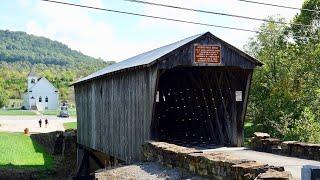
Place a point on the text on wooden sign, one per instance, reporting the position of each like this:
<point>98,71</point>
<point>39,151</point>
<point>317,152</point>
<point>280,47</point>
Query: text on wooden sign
<point>207,54</point>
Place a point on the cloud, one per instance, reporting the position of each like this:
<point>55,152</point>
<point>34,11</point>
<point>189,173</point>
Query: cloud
<point>24,3</point>
<point>93,3</point>
<point>159,11</point>
<point>80,28</point>
<point>238,38</point>
<point>34,28</point>
<point>76,28</point>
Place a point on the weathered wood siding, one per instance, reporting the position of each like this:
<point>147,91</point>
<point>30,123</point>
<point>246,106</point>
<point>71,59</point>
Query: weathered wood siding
<point>184,56</point>
<point>114,112</point>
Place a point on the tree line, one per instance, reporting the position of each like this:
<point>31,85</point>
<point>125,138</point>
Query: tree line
<point>285,94</point>
<point>20,52</point>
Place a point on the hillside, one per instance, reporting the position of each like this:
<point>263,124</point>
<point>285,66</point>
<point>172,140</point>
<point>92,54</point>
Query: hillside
<point>19,52</point>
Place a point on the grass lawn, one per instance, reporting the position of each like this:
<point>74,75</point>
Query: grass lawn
<point>70,125</point>
<point>19,112</point>
<point>19,151</point>
<point>72,112</point>
<point>50,112</point>
<point>16,112</point>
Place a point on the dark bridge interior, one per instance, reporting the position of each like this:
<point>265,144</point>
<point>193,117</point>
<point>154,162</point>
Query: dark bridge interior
<point>197,106</point>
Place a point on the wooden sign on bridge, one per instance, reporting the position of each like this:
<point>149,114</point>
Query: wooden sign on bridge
<point>207,54</point>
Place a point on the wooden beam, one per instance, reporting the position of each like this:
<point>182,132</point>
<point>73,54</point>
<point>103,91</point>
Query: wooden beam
<point>155,121</point>
<point>245,104</point>
<point>82,164</point>
<point>96,160</point>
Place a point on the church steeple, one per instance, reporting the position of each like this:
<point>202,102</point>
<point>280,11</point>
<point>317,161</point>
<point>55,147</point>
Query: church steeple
<point>32,73</point>
<point>32,78</point>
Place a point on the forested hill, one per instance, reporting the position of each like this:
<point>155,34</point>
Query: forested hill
<point>20,46</point>
<point>19,52</point>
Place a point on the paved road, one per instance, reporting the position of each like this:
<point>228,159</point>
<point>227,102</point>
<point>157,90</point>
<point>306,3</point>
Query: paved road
<point>291,164</point>
<point>19,123</point>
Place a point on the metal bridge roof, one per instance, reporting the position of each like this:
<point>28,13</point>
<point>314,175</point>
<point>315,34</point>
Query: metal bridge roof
<point>141,59</point>
<point>149,57</point>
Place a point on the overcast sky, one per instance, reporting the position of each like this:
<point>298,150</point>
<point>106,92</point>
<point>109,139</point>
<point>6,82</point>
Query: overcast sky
<point>116,37</point>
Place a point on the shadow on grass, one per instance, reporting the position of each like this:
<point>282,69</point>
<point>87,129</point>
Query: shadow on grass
<point>42,164</point>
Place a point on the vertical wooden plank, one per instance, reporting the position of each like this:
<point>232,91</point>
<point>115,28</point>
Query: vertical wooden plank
<point>244,109</point>
<point>132,119</point>
<point>107,136</point>
<point>77,99</point>
<point>100,123</point>
<point>117,121</point>
<point>93,118</point>
<point>107,113</point>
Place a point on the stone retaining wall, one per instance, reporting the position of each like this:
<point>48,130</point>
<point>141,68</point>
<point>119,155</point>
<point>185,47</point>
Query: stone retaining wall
<point>69,142</point>
<point>63,145</point>
<point>57,142</point>
<point>212,165</point>
<point>48,140</point>
<point>264,143</point>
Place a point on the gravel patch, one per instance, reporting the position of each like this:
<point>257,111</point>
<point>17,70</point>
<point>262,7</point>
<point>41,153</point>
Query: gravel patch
<point>19,123</point>
<point>145,171</point>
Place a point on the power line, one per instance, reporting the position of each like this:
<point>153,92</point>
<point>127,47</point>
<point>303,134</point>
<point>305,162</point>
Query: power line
<point>163,18</point>
<point>151,16</point>
<point>281,6</point>
<point>215,13</point>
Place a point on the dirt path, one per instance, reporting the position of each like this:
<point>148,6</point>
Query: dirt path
<point>291,164</point>
<point>19,123</point>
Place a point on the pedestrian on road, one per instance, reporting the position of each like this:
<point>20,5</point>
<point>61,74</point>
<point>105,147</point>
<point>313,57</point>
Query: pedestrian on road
<point>46,122</point>
<point>40,122</point>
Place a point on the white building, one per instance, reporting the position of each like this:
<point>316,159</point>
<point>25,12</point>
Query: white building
<point>40,94</point>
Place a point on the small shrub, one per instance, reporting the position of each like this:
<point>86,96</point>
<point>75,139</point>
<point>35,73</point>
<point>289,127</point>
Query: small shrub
<point>26,131</point>
<point>305,129</point>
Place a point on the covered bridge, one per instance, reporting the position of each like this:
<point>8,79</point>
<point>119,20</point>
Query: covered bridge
<point>194,91</point>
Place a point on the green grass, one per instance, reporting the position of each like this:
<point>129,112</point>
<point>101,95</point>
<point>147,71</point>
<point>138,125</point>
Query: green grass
<point>248,132</point>
<point>19,151</point>
<point>50,112</point>
<point>15,112</point>
<point>70,125</point>
<point>248,124</point>
<point>72,112</point>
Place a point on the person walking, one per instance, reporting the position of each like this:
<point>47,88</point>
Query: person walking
<point>46,122</point>
<point>40,123</point>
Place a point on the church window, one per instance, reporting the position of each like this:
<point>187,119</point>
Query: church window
<point>33,81</point>
<point>46,99</point>
<point>32,97</point>
<point>40,99</point>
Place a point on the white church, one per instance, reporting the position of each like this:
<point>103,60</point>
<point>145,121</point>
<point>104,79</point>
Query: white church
<point>40,94</point>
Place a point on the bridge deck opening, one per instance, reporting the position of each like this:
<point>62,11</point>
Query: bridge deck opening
<point>197,107</point>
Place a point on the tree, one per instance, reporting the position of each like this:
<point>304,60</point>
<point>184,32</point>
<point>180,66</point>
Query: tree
<point>271,100</point>
<point>19,52</point>
<point>3,96</point>
<point>308,54</point>
<point>309,18</point>
<point>285,93</point>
